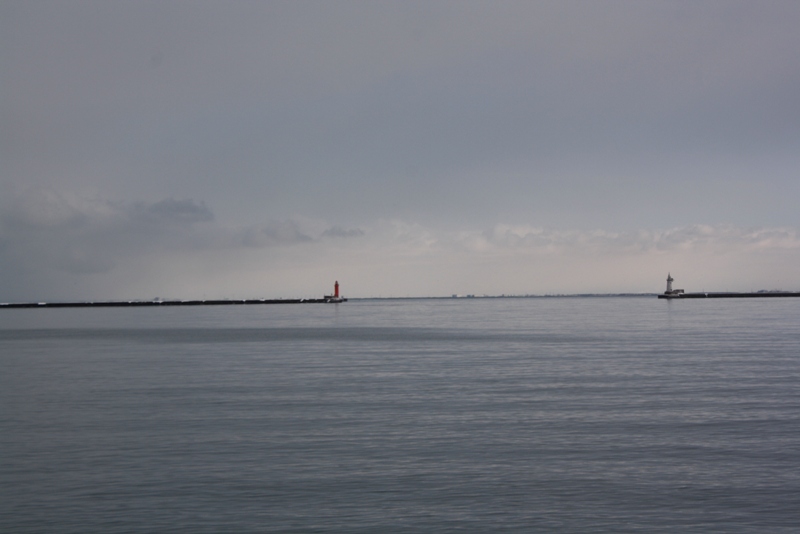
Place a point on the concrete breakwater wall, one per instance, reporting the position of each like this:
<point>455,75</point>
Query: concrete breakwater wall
<point>764,294</point>
<point>158,303</point>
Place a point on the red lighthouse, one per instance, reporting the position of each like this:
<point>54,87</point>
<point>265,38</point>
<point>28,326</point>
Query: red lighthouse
<point>335,297</point>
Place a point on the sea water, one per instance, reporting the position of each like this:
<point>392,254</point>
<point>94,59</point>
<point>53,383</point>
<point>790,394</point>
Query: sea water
<point>579,414</point>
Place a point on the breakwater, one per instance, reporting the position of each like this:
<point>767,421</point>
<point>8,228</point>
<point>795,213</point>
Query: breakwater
<point>158,303</point>
<point>760,294</point>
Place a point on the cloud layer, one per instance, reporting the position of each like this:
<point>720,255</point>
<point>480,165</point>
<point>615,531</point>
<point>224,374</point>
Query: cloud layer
<point>57,246</point>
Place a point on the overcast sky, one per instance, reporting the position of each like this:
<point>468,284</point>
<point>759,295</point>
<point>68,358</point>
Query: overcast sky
<point>188,149</point>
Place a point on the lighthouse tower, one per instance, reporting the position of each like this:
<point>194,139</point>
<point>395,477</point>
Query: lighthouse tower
<point>335,297</point>
<point>669,284</point>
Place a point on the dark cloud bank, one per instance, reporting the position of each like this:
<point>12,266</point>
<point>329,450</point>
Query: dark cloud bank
<point>44,233</point>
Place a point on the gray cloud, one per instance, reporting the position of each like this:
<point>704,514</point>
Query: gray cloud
<point>178,211</point>
<point>275,233</point>
<point>340,232</point>
<point>47,230</point>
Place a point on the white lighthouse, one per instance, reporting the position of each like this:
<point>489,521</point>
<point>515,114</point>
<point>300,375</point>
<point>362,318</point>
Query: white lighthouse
<point>672,293</point>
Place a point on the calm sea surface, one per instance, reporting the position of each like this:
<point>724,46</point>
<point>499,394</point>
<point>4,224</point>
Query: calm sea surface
<point>613,414</point>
